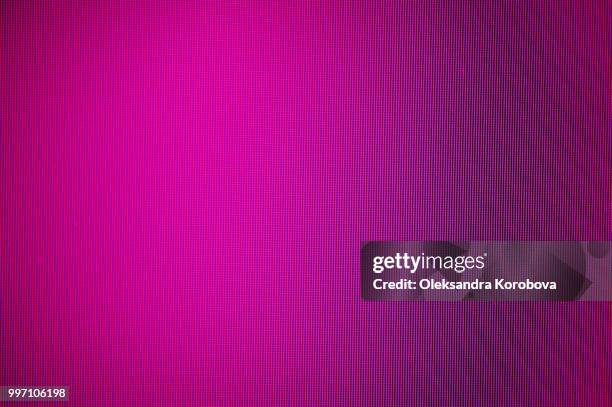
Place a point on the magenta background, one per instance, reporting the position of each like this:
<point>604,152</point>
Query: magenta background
<point>185,188</point>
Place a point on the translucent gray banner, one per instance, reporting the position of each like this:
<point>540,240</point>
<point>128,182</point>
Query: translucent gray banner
<point>487,270</point>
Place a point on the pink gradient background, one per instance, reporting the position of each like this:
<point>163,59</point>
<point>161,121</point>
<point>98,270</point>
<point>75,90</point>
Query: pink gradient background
<point>185,188</point>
